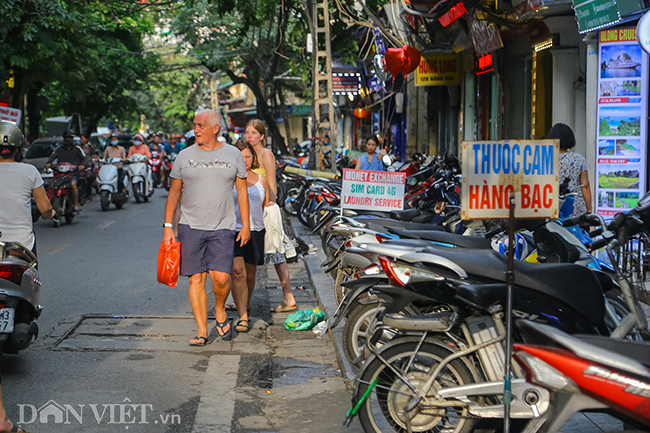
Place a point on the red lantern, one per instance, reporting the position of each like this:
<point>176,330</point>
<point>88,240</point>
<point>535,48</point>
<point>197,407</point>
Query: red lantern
<point>360,113</point>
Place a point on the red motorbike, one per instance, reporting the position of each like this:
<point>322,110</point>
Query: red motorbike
<point>166,169</point>
<point>60,193</point>
<point>588,373</point>
<point>156,164</point>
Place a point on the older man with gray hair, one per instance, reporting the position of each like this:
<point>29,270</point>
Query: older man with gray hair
<point>206,173</point>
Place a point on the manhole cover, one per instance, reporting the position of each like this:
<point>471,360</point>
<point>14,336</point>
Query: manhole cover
<point>118,333</point>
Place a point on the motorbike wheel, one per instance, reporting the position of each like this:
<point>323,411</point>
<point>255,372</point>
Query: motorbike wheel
<point>119,204</point>
<point>57,205</point>
<point>383,408</point>
<point>165,182</point>
<point>342,276</point>
<point>621,309</point>
<point>355,331</point>
<point>304,214</point>
<point>104,200</point>
<point>137,192</point>
<point>68,218</point>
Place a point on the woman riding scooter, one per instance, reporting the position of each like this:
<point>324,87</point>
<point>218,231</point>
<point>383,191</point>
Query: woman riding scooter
<point>114,150</point>
<point>20,183</point>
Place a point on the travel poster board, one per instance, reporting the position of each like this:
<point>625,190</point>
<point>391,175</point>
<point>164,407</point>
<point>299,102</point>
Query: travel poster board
<point>492,170</point>
<point>373,190</point>
<point>620,170</point>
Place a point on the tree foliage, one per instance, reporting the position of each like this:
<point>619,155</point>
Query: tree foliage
<point>252,42</point>
<point>83,55</point>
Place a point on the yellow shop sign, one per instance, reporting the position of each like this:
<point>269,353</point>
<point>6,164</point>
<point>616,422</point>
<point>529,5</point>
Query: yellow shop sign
<point>438,70</point>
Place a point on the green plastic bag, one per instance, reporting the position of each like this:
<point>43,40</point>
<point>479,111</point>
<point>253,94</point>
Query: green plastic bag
<point>304,320</point>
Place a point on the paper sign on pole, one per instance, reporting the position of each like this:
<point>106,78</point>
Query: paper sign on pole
<point>494,169</point>
<point>10,115</point>
<point>373,190</point>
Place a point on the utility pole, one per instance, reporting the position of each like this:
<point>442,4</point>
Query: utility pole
<point>322,78</point>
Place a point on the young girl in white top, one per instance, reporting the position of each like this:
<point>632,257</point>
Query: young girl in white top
<point>251,255</point>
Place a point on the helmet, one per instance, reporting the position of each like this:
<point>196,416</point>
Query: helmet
<point>67,133</point>
<point>10,135</point>
<point>501,244</point>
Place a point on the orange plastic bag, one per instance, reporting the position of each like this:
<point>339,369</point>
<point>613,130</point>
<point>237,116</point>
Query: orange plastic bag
<point>169,260</point>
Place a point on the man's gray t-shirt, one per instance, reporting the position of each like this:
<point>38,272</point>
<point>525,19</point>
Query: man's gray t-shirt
<point>207,201</point>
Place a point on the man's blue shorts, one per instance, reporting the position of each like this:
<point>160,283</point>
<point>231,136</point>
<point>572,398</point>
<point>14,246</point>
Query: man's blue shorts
<point>205,250</point>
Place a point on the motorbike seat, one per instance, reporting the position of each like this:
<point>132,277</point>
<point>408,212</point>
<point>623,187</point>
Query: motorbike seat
<point>444,237</point>
<point>482,296</point>
<point>404,215</point>
<point>639,352</point>
<point>415,243</point>
<point>575,285</point>
<point>383,223</point>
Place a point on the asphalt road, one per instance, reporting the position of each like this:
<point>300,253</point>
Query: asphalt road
<point>112,354</point>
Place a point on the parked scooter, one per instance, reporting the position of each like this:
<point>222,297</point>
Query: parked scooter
<point>20,289</point>
<point>60,193</point>
<point>108,185</point>
<point>585,373</point>
<point>140,178</point>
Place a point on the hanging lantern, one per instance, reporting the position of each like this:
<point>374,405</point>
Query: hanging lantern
<point>360,113</point>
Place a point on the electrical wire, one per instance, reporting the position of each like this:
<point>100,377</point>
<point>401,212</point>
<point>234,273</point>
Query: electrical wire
<point>280,33</point>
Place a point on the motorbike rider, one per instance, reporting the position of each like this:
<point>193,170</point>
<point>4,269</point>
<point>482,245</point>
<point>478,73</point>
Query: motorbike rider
<point>172,147</point>
<point>20,183</point>
<point>139,147</point>
<point>74,155</point>
<point>114,150</point>
<point>91,153</point>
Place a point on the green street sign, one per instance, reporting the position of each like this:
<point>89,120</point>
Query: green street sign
<point>597,14</point>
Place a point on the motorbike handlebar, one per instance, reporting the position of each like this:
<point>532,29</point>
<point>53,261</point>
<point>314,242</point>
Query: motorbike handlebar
<point>572,221</point>
<point>596,245</point>
<point>596,232</point>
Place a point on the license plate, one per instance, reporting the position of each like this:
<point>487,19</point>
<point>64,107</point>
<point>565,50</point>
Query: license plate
<point>6,320</point>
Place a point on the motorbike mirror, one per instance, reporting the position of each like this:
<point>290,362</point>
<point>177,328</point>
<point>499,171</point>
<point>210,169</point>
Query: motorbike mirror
<point>387,160</point>
<point>412,180</point>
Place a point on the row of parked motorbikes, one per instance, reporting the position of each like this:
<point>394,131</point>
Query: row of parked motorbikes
<point>424,294</point>
<point>140,179</point>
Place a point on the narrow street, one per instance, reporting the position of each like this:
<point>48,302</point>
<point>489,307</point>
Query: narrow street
<point>112,354</point>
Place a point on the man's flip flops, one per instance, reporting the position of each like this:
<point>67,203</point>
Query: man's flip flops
<point>203,341</point>
<point>283,308</point>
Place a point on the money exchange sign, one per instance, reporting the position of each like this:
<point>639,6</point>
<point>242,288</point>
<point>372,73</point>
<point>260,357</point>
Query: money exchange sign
<point>373,190</point>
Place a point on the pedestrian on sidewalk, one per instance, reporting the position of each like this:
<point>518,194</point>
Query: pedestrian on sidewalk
<point>206,174</point>
<point>255,132</point>
<point>251,255</point>
<point>371,160</point>
<point>574,167</point>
